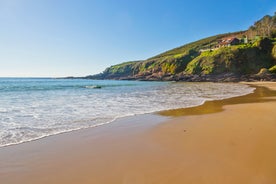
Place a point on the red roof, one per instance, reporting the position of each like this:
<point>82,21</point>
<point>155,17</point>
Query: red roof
<point>226,41</point>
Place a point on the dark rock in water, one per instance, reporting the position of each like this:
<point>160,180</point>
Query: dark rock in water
<point>97,87</point>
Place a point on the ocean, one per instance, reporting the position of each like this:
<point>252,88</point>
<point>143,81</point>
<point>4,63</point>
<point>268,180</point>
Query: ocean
<point>32,108</point>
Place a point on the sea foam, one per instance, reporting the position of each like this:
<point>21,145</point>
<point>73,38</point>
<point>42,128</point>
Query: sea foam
<point>34,108</point>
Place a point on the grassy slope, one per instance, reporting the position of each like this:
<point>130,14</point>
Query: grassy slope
<point>242,59</point>
<point>187,59</point>
<point>172,61</point>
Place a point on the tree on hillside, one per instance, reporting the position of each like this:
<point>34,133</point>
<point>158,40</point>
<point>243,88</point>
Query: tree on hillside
<point>251,32</point>
<point>267,24</point>
<point>273,31</point>
<point>264,27</point>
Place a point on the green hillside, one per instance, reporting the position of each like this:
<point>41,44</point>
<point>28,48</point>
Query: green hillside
<point>239,53</point>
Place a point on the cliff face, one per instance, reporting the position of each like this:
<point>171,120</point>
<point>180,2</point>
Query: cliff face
<point>206,59</point>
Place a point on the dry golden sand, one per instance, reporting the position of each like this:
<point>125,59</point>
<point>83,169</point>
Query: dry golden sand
<point>222,142</point>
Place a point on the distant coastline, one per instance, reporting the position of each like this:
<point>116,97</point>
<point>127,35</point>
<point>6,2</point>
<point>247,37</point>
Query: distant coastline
<point>232,57</point>
<point>227,77</point>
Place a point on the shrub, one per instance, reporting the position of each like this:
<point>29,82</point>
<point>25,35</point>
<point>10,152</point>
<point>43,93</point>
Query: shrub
<point>272,69</point>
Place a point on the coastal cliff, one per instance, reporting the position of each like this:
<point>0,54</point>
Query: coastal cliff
<point>246,55</point>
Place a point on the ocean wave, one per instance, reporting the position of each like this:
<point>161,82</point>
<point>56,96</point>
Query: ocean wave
<point>94,87</point>
<point>32,115</point>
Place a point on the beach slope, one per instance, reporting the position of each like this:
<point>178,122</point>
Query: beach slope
<point>227,141</point>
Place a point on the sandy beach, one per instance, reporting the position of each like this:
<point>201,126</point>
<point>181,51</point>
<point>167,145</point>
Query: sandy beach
<point>225,141</point>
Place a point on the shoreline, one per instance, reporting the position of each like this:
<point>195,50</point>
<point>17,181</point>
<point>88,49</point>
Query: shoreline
<point>121,152</point>
<point>163,113</point>
<point>155,118</point>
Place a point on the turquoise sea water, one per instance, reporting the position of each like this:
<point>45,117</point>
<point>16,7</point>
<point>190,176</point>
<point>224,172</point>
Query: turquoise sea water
<point>33,108</point>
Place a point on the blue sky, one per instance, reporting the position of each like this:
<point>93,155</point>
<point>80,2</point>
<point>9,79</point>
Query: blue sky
<point>55,38</point>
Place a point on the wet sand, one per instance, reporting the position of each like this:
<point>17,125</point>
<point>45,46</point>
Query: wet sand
<point>227,141</point>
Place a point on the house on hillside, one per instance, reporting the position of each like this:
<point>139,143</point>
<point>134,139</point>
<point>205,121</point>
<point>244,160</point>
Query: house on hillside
<point>226,42</point>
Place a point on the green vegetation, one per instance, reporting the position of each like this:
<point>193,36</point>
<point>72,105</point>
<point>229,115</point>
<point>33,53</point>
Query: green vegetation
<point>274,51</point>
<point>265,27</point>
<point>195,46</point>
<point>123,69</point>
<point>272,69</point>
<point>256,50</point>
